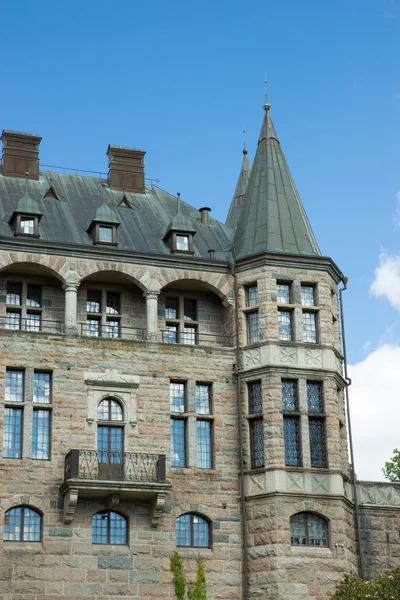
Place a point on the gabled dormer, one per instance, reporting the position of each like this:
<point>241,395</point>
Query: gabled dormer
<point>103,228</point>
<point>180,232</point>
<point>26,216</point>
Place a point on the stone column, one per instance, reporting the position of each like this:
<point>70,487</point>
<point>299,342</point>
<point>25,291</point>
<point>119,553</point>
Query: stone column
<point>152,315</point>
<point>71,291</point>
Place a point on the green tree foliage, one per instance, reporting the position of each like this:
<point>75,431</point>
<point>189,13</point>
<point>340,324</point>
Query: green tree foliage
<point>179,577</point>
<point>198,591</point>
<point>391,469</point>
<point>384,587</point>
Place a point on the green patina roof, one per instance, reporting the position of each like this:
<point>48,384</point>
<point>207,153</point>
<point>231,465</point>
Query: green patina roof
<point>28,206</point>
<point>273,218</point>
<point>106,214</point>
<point>181,223</point>
<point>240,191</point>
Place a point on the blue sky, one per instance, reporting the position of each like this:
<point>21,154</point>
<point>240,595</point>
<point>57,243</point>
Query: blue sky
<point>182,79</point>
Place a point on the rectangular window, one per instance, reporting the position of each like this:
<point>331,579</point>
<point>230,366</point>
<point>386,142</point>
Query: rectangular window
<point>252,295</point>
<point>41,434</point>
<point>189,310</point>
<point>283,293</point>
<point>203,437</point>
<point>112,329</point>
<point>256,443</point>
<point>291,434</point>
<point>315,399</point>
<point>177,397</point>
<point>113,303</point>
<point>316,428</point>
<point>34,296</point>
<point>308,295</point>
<point>190,335</point>
<point>105,234</point>
<point>255,397</point>
<point>12,433</point>
<point>93,304</point>
<point>27,225</point>
<point>289,395</point>
<point>285,325</point>
<point>182,242</point>
<point>13,319</point>
<point>253,330</point>
<point>203,398</point>
<point>14,389</point>
<point>171,334</point>
<point>14,293</point>
<point>178,443</point>
<point>309,327</point>
<point>42,387</point>
<point>171,308</point>
<point>93,327</point>
<point>33,322</point>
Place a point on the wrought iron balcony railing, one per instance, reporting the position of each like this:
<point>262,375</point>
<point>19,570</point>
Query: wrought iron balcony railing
<point>115,466</point>
<point>112,330</point>
<point>195,338</point>
<point>30,325</point>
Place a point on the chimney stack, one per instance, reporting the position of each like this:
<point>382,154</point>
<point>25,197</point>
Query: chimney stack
<point>126,169</point>
<point>205,215</point>
<point>20,154</point>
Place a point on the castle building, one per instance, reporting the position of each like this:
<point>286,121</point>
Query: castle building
<point>170,382</point>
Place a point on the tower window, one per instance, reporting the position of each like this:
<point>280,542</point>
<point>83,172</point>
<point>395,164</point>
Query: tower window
<point>307,529</point>
<point>283,293</point>
<point>291,423</point>
<point>317,424</point>
<point>285,332</point>
<point>256,424</point>
<point>308,295</point>
<point>309,327</point>
<point>252,295</point>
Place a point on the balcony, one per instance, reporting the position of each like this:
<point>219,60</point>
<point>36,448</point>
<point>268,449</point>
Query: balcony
<point>116,476</point>
<point>30,324</point>
<point>112,330</point>
<point>195,338</point>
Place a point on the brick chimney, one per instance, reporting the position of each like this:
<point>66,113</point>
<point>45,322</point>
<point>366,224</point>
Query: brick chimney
<point>126,168</point>
<point>20,154</point>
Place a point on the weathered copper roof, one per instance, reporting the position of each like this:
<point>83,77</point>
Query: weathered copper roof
<point>273,218</point>
<point>240,191</point>
<point>106,214</point>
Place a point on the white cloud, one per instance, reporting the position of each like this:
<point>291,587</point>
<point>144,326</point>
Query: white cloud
<point>375,410</point>
<point>387,280</point>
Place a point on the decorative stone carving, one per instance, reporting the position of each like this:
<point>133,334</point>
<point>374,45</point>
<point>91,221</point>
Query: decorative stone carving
<point>252,358</point>
<point>294,481</point>
<point>320,483</point>
<point>380,495</point>
<point>112,383</point>
<point>288,355</point>
<point>157,509</point>
<point>70,500</point>
<point>256,484</point>
<point>313,357</point>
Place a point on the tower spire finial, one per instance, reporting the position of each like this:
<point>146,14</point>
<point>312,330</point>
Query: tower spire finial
<point>178,206</point>
<point>244,142</point>
<point>267,105</point>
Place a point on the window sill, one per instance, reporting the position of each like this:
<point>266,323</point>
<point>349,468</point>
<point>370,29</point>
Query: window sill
<point>30,547</point>
<point>311,550</point>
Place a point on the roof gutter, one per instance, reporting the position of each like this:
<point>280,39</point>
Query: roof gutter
<point>353,469</point>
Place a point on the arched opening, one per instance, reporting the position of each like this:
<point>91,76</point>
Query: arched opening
<point>110,439</point>
<point>109,527</point>
<point>193,530</point>
<point>193,314</point>
<point>308,529</point>
<point>22,524</point>
<point>111,305</point>
<point>34,299</point>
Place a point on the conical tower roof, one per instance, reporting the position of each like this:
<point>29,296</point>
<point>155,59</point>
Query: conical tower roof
<point>240,191</point>
<point>273,218</point>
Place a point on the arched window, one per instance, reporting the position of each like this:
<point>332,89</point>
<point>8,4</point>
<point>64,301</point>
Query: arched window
<point>110,439</point>
<point>192,530</point>
<point>109,527</point>
<point>22,524</point>
<point>307,529</point>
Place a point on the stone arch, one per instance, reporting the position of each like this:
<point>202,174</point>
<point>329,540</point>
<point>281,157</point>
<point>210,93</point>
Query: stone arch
<point>184,508</point>
<point>85,269</point>
<point>219,284</point>
<point>33,502</point>
<point>51,265</point>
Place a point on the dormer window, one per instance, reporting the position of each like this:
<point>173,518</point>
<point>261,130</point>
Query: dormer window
<point>105,234</point>
<point>27,225</point>
<point>103,228</point>
<point>25,218</point>
<point>182,242</point>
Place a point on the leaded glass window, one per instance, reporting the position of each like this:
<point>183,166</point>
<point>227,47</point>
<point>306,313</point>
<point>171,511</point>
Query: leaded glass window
<point>315,399</point>
<point>93,327</point>
<point>285,325</point>
<point>171,334</point>
<point>291,433</point>
<point>309,327</point>
<point>41,434</point>
<point>253,331</point>
<point>34,296</point>
<point>203,438</point>
<point>14,391</point>
<point>13,320</point>
<point>12,433</point>
<point>308,295</point>
<point>22,524</point>
<point>252,295</point>
<point>255,397</point>
<point>190,335</point>
<point>203,398</point>
<point>177,397</point>
<point>105,234</point>
<point>193,531</point>
<point>289,395</point>
<point>178,443</point>
<point>256,443</point>
<point>112,329</point>
<point>283,293</point>
<point>317,432</point>
<point>93,303</point>
<point>307,529</point>
<point>41,387</point>
<point>109,410</point>
<point>109,527</point>
<point>33,321</point>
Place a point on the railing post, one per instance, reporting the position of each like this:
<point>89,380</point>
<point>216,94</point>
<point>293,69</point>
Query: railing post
<point>161,467</point>
<point>74,470</point>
